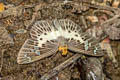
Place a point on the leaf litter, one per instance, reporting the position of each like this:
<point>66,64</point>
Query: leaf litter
<point>51,10</point>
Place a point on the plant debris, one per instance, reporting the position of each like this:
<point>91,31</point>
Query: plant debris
<point>2,7</point>
<point>5,38</point>
<point>99,18</point>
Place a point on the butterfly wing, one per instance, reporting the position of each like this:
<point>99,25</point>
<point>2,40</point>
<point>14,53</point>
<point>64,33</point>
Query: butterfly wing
<point>68,29</point>
<point>78,41</point>
<point>43,43</point>
<point>90,46</point>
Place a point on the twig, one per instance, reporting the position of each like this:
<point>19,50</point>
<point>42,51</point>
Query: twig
<point>84,22</point>
<point>115,10</point>
<point>33,20</point>
<point>2,53</point>
<point>110,20</point>
<point>59,68</point>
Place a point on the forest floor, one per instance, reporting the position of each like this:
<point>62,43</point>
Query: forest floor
<point>16,20</point>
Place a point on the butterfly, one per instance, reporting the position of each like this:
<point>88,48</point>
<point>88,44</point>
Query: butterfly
<point>49,37</point>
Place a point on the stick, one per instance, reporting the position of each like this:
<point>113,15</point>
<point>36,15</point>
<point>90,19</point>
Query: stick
<point>115,10</point>
<point>84,22</point>
<point>110,20</point>
<point>60,67</point>
<point>2,53</point>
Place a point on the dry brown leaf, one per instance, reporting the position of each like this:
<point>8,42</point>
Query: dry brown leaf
<point>92,69</point>
<point>2,7</point>
<point>92,18</point>
<point>105,45</point>
<point>106,40</point>
<point>116,3</point>
<point>113,32</point>
<point>5,37</point>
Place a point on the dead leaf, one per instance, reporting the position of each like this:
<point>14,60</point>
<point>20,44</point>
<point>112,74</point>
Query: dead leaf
<point>113,32</point>
<point>2,7</point>
<point>4,36</point>
<point>92,69</point>
<point>116,3</point>
<point>92,18</point>
<point>106,40</point>
<point>105,45</point>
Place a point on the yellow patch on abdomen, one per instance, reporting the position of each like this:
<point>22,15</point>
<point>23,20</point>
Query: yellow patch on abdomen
<point>64,50</point>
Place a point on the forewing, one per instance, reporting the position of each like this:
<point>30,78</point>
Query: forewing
<point>43,43</point>
<point>43,31</point>
<point>78,41</point>
<point>69,29</point>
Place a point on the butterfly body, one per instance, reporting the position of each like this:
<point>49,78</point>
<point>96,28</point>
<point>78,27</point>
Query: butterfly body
<point>63,47</point>
<point>58,35</point>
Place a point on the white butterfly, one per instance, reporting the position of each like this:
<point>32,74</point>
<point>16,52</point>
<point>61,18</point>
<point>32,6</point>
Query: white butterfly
<point>58,35</point>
